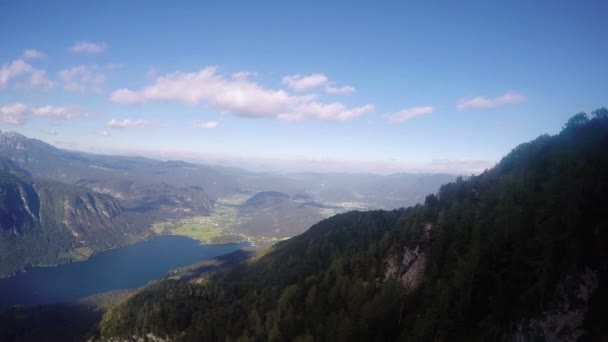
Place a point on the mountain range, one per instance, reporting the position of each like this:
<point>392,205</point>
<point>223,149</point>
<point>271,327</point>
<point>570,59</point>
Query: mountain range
<point>59,206</point>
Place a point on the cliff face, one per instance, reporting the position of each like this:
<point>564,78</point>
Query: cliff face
<point>45,222</point>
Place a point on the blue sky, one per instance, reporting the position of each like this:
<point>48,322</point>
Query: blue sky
<point>341,86</point>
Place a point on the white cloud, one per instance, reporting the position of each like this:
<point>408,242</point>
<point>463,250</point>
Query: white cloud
<point>410,113</point>
<point>16,113</point>
<point>13,114</point>
<point>209,124</point>
<point>243,75</point>
<point>15,68</point>
<point>105,133</point>
<point>38,79</point>
<point>341,90</point>
<point>300,83</point>
<point>19,68</point>
<point>88,47</point>
<point>237,95</point>
<point>482,102</point>
<point>127,97</point>
<point>61,112</point>
<point>319,111</point>
<point>82,78</point>
<point>33,54</point>
<point>128,123</point>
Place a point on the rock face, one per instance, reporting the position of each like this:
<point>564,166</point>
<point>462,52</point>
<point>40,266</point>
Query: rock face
<point>408,267</point>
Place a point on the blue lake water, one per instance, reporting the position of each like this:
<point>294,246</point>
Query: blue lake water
<point>121,268</point>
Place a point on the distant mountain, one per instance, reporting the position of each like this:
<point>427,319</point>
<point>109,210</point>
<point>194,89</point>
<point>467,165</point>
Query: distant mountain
<point>517,253</point>
<point>137,182</point>
<point>153,185</point>
<point>275,214</point>
<point>45,222</point>
<point>265,200</point>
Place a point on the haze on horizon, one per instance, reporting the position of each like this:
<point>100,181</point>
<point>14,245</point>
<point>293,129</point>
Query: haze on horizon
<point>301,87</point>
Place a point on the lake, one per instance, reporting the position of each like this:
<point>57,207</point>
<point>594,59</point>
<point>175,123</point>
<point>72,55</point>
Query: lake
<point>120,268</point>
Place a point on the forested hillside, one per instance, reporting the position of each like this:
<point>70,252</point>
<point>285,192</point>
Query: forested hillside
<point>46,223</point>
<point>516,253</point>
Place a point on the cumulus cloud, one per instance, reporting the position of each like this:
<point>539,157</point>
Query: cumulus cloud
<point>410,113</point>
<point>208,125</point>
<point>82,78</point>
<point>88,47</point>
<point>481,102</point>
<point>300,83</point>
<point>105,133</point>
<point>236,94</point>
<point>339,90</point>
<point>17,113</point>
<point>127,97</point>
<point>243,75</point>
<point>128,123</point>
<point>38,79</point>
<point>61,112</point>
<point>13,114</point>
<point>20,68</point>
<point>33,54</point>
<point>320,111</point>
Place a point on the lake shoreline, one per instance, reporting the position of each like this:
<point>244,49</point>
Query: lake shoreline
<point>96,252</point>
<point>127,267</point>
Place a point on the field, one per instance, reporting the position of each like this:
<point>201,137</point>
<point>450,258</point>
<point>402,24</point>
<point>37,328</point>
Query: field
<point>224,224</point>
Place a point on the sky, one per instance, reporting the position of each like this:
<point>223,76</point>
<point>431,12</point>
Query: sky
<point>382,87</point>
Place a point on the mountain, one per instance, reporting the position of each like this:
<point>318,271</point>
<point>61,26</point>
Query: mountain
<point>152,185</point>
<point>517,253</point>
<point>139,183</point>
<point>275,214</point>
<point>45,222</point>
<point>370,191</point>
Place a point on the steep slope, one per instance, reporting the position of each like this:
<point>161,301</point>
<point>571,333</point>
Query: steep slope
<point>517,253</point>
<point>45,222</point>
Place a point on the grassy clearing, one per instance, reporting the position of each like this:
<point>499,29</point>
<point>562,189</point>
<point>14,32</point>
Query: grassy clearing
<point>201,228</point>
<point>208,229</point>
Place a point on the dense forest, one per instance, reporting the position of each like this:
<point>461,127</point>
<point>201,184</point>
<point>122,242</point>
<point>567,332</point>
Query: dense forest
<point>516,253</point>
<point>47,223</point>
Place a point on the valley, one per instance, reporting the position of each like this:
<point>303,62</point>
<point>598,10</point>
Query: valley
<point>117,200</point>
<point>303,171</point>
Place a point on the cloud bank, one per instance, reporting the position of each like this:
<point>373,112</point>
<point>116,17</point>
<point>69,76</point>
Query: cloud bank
<point>238,95</point>
<point>301,83</point>
<point>17,113</point>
